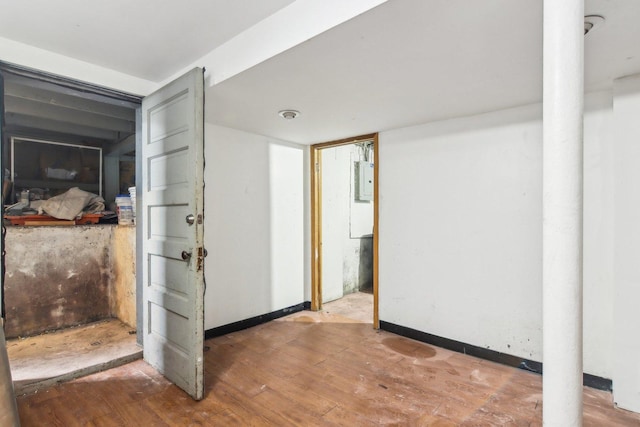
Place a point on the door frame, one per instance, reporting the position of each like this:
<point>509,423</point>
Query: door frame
<point>316,219</point>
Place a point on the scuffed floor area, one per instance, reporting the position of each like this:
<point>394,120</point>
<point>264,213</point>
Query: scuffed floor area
<point>314,369</point>
<point>44,360</point>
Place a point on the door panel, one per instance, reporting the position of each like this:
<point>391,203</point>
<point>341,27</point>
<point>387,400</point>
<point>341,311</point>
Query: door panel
<point>172,189</point>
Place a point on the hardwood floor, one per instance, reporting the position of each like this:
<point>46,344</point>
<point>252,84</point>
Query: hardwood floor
<point>313,369</point>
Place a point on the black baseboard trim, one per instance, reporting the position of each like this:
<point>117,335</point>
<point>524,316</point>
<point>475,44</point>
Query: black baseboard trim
<point>597,382</point>
<point>589,380</point>
<point>254,321</point>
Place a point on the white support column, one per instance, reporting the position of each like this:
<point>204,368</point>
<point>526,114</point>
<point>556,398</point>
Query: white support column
<point>563,99</point>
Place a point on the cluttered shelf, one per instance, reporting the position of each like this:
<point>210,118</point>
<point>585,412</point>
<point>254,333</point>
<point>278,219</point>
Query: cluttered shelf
<point>73,207</point>
<point>58,183</point>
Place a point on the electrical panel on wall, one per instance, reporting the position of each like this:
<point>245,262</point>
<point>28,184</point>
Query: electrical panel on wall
<point>365,181</point>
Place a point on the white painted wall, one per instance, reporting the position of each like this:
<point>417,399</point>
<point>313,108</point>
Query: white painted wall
<point>344,222</point>
<point>598,229</point>
<point>254,230</point>
<point>626,345</point>
<point>461,228</point>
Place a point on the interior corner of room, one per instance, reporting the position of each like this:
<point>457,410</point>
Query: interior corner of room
<point>444,226</point>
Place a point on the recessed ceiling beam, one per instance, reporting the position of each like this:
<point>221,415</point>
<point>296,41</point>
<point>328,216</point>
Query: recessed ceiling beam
<point>68,101</point>
<point>66,115</point>
<point>14,120</point>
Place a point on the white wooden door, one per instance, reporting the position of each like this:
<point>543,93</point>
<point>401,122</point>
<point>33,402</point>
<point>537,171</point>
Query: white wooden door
<point>172,221</point>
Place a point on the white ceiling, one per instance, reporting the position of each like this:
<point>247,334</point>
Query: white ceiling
<point>150,39</point>
<point>413,61</point>
<point>404,62</point>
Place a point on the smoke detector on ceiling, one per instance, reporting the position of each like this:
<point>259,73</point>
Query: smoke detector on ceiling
<point>591,22</point>
<point>289,114</point>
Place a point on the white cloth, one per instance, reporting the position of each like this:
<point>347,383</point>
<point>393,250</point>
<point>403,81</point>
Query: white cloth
<point>72,204</point>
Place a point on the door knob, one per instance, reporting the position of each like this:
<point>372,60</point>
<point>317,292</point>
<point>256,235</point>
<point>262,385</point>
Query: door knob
<point>186,255</point>
<point>190,219</point>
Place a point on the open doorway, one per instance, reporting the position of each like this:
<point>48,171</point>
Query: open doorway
<point>68,292</point>
<point>344,227</point>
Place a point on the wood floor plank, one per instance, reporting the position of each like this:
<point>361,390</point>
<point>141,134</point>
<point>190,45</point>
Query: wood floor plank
<point>176,408</point>
<point>133,412</point>
<point>55,412</point>
<point>229,418</point>
<point>250,366</point>
<point>355,395</point>
<point>238,409</point>
<point>340,416</point>
<point>243,377</point>
<point>255,411</point>
<point>298,413</point>
<point>302,352</point>
<point>276,362</point>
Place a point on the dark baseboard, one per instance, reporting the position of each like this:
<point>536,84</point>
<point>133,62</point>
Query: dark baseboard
<point>254,321</point>
<point>597,382</point>
<point>589,380</point>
